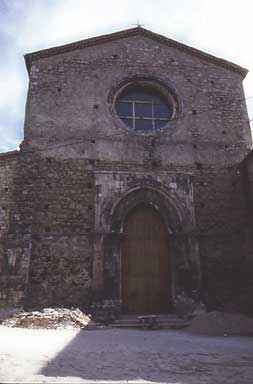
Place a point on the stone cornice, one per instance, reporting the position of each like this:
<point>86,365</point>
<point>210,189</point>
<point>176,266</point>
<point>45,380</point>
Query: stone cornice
<point>6,155</point>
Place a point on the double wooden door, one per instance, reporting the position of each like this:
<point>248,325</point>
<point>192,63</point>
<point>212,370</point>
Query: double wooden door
<point>145,263</point>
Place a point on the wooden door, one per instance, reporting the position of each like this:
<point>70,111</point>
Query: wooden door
<point>145,263</point>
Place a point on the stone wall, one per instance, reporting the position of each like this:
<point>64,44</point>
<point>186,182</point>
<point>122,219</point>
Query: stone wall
<point>73,139</point>
<point>11,293</point>
<point>63,221</point>
<point>246,171</point>
<point>222,222</point>
<point>70,97</point>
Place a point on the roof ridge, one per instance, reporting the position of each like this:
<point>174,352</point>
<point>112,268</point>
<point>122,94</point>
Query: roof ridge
<point>30,57</point>
<point>9,153</point>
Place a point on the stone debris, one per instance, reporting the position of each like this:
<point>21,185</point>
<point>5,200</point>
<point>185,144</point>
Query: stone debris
<point>221,324</point>
<point>52,318</point>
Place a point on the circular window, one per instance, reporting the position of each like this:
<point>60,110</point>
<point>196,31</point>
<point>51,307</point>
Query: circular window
<point>144,108</point>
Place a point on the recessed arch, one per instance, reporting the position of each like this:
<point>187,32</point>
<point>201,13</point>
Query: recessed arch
<point>177,216</point>
<point>168,207</point>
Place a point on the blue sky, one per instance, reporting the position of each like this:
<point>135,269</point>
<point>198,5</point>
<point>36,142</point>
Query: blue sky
<point>219,27</point>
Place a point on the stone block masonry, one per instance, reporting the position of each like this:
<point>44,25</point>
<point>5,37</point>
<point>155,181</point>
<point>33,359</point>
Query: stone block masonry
<point>63,222</point>
<point>66,194</point>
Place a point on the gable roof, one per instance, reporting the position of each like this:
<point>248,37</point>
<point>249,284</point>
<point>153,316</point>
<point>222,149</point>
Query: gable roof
<point>30,57</point>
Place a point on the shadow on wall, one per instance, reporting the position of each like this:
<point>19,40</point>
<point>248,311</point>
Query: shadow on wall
<point>117,355</point>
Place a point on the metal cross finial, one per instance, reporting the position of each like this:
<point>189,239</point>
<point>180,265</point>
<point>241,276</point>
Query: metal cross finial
<point>138,24</point>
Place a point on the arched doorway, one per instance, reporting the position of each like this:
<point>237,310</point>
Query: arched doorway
<point>145,262</point>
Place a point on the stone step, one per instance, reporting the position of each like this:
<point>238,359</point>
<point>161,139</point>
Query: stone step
<point>150,322</point>
<point>126,321</point>
<point>156,326</point>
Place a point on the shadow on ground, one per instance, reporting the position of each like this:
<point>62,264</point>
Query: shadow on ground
<point>114,355</point>
<point>118,355</point>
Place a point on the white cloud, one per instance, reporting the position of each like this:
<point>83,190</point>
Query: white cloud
<point>220,27</point>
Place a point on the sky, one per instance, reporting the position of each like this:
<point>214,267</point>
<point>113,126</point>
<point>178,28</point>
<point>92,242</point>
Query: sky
<point>220,27</point>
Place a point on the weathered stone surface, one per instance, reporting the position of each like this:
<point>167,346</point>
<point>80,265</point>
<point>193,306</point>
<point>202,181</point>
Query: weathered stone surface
<point>80,170</point>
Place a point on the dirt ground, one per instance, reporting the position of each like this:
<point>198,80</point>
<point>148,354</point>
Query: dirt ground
<point>123,356</point>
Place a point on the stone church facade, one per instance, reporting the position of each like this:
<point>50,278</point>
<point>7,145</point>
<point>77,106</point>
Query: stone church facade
<point>128,194</point>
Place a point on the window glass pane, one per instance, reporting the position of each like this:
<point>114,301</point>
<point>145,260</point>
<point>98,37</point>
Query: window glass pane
<point>141,95</point>
<point>128,122</point>
<point>143,110</point>
<point>151,109</point>
<point>160,123</point>
<point>162,111</point>
<point>158,99</point>
<point>126,96</point>
<point>143,125</point>
<point>124,109</point>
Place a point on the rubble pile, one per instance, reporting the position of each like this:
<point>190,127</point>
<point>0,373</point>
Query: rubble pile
<point>221,324</point>
<point>52,318</point>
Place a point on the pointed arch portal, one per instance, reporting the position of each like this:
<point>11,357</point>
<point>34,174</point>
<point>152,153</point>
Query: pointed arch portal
<point>146,255</point>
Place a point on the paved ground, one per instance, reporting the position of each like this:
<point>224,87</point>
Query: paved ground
<point>108,356</point>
